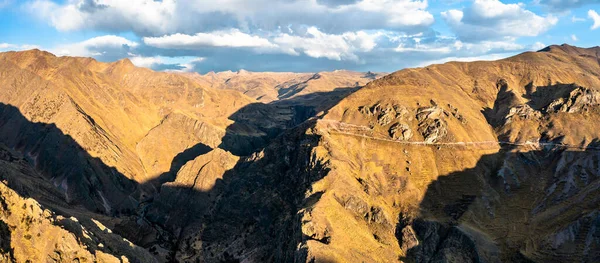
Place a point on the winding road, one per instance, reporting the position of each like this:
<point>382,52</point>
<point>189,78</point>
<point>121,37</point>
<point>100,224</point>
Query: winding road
<point>334,126</point>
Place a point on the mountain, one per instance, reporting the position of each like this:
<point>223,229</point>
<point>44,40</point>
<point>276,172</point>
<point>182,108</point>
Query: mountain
<point>493,161</point>
<point>270,86</point>
<point>102,139</point>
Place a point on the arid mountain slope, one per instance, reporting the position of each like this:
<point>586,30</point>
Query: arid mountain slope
<point>511,145</point>
<point>461,162</point>
<point>102,139</point>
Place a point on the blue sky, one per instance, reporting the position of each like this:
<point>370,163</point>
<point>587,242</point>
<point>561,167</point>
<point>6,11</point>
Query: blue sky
<point>295,35</point>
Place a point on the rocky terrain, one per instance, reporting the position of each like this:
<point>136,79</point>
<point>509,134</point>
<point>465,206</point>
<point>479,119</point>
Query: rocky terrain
<point>462,162</point>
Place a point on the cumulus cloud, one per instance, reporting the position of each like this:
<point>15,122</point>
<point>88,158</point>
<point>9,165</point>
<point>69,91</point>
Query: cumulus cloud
<point>310,41</point>
<point>594,16</point>
<point>444,46</point>
<point>492,19</point>
<point>312,50</point>
<point>290,35</point>
<point>145,62</point>
<point>317,44</point>
<point>155,18</point>
<point>224,38</point>
<point>110,47</point>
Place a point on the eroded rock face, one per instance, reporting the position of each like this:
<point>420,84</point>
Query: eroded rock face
<point>580,99</point>
<point>524,112</point>
<point>431,123</point>
<point>401,131</point>
<point>385,113</point>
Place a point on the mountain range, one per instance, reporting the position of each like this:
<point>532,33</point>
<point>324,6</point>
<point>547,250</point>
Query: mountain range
<point>488,161</point>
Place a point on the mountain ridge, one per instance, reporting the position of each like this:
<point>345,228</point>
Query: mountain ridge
<point>462,161</point>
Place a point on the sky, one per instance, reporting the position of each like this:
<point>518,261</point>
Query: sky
<point>295,35</point>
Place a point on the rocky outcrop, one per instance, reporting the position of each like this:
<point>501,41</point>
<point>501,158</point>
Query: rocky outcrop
<point>456,114</point>
<point>384,113</point>
<point>401,131</point>
<point>31,233</point>
<point>432,125</point>
<point>580,99</point>
<point>522,112</point>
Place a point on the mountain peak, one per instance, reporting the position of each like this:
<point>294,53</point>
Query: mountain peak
<point>36,53</point>
<point>571,50</point>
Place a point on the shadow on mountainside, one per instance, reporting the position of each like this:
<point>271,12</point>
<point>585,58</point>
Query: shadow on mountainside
<point>544,95</point>
<point>508,105</point>
<point>517,202</point>
<point>255,204</point>
<point>513,206</point>
<point>81,178</point>
<point>56,171</point>
<point>250,213</point>
<point>6,251</point>
<point>179,160</point>
<point>257,123</point>
<point>505,99</point>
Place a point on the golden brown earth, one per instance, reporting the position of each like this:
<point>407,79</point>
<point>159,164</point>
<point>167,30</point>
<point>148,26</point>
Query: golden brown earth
<point>462,162</point>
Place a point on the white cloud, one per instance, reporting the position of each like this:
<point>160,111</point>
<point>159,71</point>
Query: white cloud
<point>493,46</point>
<point>594,16</point>
<point>458,47</point>
<point>492,19</point>
<point>105,14</point>
<point>191,65</point>
<point>155,18</point>
<point>484,51</point>
<point>96,46</point>
<point>462,59</point>
<point>426,48</point>
<point>538,46</point>
<point>317,44</point>
<point>183,64</point>
<point>574,38</point>
<point>224,38</point>
<point>289,34</point>
<point>313,43</point>
<point>8,46</point>
<point>145,62</point>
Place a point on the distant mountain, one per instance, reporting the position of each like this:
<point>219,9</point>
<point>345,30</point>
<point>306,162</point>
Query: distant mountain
<point>493,161</point>
<point>270,86</point>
